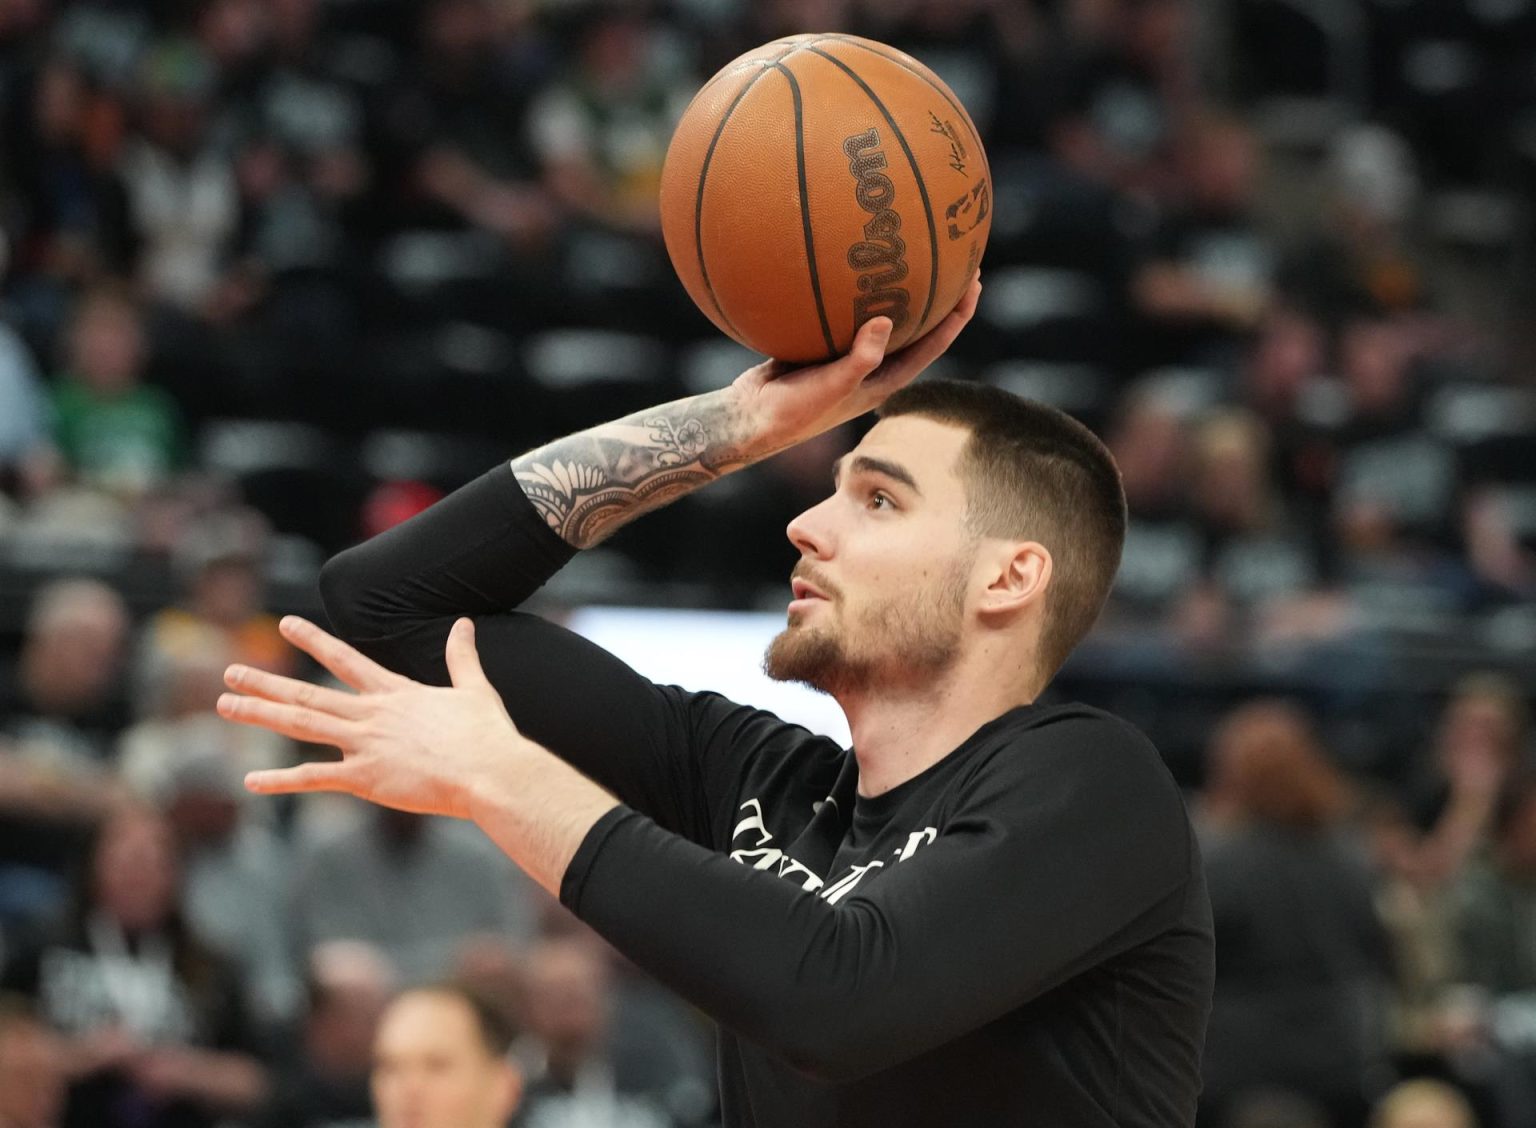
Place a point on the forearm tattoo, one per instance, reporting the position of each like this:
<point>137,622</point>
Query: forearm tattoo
<point>588,484</point>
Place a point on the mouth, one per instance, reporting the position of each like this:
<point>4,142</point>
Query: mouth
<point>804,591</point>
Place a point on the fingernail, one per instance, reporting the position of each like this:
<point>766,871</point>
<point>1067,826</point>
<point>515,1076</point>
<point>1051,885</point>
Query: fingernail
<point>226,702</point>
<point>234,675</point>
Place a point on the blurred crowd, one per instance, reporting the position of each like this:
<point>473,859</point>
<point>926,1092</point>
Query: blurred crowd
<point>276,274</point>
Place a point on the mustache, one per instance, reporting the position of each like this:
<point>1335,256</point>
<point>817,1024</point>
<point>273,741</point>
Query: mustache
<point>804,571</point>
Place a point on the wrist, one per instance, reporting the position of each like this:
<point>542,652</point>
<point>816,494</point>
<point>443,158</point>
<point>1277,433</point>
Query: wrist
<point>487,792</point>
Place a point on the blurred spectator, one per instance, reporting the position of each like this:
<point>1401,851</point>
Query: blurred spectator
<point>178,687</point>
<point>222,614</point>
<point>1500,547</point>
<point>573,1082</point>
<point>1210,270</point>
<point>1478,745</point>
<point>323,1081</point>
<point>236,871</point>
<point>458,123</point>
<point>442,1060</point>
<point>180,196</point>
<point>113,431</point>
<point>1255,551</point>
<point>1419,915</point>
<point>1361,256</point>
<point>58,709</point>
<point>24,443</point>
<point>1423,1104</point>
<point>1497,899</point>
<point>602,131</point>
<point>32,1069</point>
<point>59,149</point>
<point>414,887</point>
<point>157,1027</point>
<point>67,685</point>
<point>1300,953</point>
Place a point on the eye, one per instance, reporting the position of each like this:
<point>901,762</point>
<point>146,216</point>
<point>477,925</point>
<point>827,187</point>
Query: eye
<point>879,499</point>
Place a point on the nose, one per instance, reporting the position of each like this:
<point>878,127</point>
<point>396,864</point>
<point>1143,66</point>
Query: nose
<point>808,532</point>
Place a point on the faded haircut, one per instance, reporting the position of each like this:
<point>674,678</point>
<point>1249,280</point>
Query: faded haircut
<point>1032,472</point>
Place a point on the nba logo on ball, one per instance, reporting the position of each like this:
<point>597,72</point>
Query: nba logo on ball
<point>817,182</point>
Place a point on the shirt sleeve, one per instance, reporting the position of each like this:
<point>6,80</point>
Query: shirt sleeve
<point>1069,848</point>
<point>480,552</point>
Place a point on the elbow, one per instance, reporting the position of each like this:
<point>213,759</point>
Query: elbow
<point>342,594</point>
<point>834,1047</point>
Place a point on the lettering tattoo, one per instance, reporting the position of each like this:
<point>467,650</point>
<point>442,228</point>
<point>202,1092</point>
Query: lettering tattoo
<point>587,485</point>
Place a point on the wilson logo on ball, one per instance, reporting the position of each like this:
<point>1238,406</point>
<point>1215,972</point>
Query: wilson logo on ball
<point>880,256</point>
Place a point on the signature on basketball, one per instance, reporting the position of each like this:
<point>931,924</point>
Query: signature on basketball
<point>957,151</point>
<point>880,255</point>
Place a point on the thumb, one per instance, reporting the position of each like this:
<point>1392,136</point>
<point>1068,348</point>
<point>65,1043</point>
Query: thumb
<point>868,347</point>
<point>462,657</point>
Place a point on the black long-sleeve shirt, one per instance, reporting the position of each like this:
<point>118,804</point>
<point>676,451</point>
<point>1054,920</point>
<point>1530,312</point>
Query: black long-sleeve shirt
<point>1018,935</point>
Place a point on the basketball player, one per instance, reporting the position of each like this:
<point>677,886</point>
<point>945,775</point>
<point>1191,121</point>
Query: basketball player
<point>442,1059</point>
<point>989,912</point>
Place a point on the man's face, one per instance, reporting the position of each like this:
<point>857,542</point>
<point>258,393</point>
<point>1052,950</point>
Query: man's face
<point>885,562</point>
<point>432,1069</point>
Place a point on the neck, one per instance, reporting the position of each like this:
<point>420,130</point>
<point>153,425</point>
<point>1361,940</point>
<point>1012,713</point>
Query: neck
<point>900,732</point>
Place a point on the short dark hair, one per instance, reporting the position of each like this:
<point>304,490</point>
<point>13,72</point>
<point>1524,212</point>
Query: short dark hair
<point>496,1029</point>
<point>1034,472</point>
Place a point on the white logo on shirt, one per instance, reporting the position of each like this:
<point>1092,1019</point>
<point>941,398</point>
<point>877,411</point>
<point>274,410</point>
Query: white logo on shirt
<point>757,850</point>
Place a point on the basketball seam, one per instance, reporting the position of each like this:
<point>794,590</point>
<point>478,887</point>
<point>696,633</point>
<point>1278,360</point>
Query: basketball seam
<point>917,175</point>
<point>764,65</point>
<point>805,207</point>
<point>935,87</point>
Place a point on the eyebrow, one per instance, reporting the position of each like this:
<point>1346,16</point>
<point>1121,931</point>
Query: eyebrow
<point>863,464</point>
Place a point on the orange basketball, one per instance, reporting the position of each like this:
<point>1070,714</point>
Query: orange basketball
<point>817,182</point>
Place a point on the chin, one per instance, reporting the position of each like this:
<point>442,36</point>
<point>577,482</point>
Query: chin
<point>814,658</point>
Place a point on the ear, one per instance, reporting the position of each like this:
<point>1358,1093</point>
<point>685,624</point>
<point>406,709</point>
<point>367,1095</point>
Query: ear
<point>1020,575</point>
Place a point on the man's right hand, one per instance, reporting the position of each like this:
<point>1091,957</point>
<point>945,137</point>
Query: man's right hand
<point>589,484</point>
<point>785,404</point>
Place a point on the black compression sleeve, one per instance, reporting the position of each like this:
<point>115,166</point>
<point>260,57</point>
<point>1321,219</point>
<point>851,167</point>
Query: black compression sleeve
<point>481,550</point>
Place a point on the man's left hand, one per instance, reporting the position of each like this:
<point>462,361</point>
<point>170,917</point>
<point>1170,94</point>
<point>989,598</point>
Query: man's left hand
<point>405,745</point>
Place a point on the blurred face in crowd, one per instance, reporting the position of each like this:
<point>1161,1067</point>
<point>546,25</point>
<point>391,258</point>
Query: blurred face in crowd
<point>136,871</point>
<point>880,589</point>
<point>433,1068</point>
<point>31,1072</point>
<point>1423,1104</point>
<point>1374,361</point>
<point>59,111</point>
<point>74,649</point>
<point>568,989</point>
<point>228,592</point>
<point>459,29</point>
<point>1288,353</point>
<point>1223,167</point>
<point>107,345</point>
<point>1232,488</point>
<point>1149,445</point>
<point>1481,721</point>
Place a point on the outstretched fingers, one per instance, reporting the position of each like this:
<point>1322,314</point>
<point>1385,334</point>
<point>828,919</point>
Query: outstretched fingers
<point>291,691</point>
<point>314,776</point>
<point>292,721</point>
<point>352,667</point>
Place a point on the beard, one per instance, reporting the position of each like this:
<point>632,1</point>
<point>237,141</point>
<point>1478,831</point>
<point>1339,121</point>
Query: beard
<point>902,640</point>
